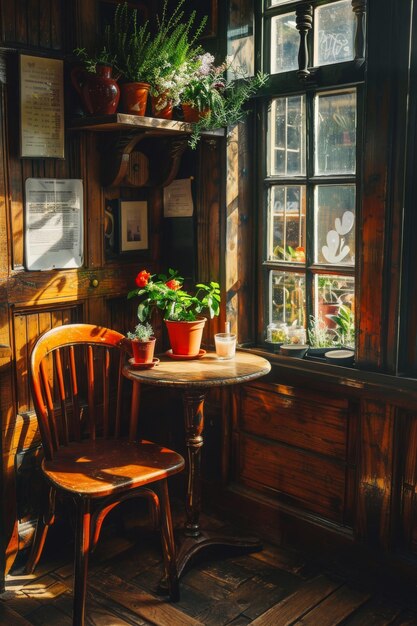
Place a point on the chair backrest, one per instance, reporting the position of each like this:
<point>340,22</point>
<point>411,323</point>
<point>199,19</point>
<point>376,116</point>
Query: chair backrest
<point>76,381</point>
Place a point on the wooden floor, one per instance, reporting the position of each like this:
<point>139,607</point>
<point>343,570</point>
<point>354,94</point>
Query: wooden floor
<point>271,588</point>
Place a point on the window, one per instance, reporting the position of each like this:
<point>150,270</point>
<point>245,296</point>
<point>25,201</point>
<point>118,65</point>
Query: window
<point>309,180</point>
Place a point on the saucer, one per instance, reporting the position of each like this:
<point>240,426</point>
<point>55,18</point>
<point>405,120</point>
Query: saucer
<point>143,366</point>
<point>186,357</point>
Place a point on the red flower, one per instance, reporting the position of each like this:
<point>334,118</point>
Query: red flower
<point>142,278</point>
<point>173,284</point>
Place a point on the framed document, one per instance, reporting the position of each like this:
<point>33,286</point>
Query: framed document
<point>133,226</point>
<point>41,107</point>
<point>54,232</point>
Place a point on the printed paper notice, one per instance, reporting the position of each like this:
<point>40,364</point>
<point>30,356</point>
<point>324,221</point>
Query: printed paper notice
<point>41,107</point>
<point>178,201</point>
<point>53,224</point>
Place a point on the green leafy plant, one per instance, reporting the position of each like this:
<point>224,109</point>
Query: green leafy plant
<point>228,109</point>
<point>142,332</point>
<point>327,290</point>
<point>130,44</point>
<point>319,335</point>
<point>164,61</point>
<point>166,293</point>
<point>345,325</point>
<point>103,57</point>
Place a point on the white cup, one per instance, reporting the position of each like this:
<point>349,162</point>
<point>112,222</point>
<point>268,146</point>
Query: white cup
<point>225,345</point>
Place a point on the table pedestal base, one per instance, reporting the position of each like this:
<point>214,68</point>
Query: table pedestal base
<point>189,547</point>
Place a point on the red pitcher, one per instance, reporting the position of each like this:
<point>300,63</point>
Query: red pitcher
<point>99,92</point>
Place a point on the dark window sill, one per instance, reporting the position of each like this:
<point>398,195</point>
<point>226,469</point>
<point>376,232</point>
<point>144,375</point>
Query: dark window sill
<point>351,380</point>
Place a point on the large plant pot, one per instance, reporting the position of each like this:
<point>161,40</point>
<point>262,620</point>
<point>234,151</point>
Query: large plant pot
<point>99,92</point>
<point>134,97</point>
<point>143,351</point>
<point>185,337</point>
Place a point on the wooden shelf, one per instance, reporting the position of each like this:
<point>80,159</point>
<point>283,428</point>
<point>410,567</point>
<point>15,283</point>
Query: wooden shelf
<point>123,121</point>
<point>140,150</point>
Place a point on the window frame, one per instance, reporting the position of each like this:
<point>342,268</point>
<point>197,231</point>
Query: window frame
<point>349,74</point>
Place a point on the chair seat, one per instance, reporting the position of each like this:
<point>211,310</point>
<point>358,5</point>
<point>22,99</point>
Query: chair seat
<point>106,466</point>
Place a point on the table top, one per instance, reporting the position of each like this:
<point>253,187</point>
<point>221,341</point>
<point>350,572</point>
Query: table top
<point>207,371</point>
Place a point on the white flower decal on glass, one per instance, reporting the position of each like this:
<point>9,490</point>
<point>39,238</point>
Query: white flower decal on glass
<point>336,250</point>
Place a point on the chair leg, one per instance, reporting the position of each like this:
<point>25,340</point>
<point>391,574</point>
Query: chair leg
<point>45,520</point>
<point>82,549</point>
<point>168,543</point>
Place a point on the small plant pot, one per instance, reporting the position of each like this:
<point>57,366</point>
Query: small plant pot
<point>134,97</point>
<point>143,351</point>
<point>193,114</point>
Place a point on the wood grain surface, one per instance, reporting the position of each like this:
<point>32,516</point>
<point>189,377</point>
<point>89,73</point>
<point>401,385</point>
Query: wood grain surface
<point>209,371</point>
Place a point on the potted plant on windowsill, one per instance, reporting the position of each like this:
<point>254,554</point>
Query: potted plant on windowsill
<point>143,343</point>
<point>182,311</point>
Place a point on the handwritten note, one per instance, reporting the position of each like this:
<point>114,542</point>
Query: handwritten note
<point>41,107</point>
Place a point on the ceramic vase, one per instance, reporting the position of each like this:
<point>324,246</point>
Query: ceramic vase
<point>99,92</point>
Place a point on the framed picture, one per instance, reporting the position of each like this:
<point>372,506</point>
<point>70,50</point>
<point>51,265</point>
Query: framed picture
<point>133,226</point>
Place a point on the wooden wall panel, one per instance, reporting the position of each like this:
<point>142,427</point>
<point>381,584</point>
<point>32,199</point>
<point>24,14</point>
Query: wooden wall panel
<point>312,482</point>
<point>240,258</point>
<point>27,326</point>
<point>296,417</point>
<point>375,473</point>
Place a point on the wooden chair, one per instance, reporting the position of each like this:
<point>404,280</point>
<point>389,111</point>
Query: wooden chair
<point>86,455</point>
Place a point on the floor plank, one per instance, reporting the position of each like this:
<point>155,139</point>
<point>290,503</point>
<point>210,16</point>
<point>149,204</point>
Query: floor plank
<point>298,604</point>
<point>10,617</point>
<point>272,588</point>
<point>153,609</point>
<point>335,608</point>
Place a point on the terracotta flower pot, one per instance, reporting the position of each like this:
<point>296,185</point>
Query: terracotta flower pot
<point>134,97</point>
<point>328,308</point>
<point>99,92</point>
<point>143,350</point>
<point>192,114</point>
<point>166,112</point>
<point>185,337</point>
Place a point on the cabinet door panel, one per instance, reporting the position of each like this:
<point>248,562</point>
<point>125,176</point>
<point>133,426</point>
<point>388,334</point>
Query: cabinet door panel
<point>297,418</point>
<point>314,482</point>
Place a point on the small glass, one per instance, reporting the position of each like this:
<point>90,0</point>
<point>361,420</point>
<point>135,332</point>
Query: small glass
<point>277,333</point>
<point>225,345</point>
<point>297,335</point>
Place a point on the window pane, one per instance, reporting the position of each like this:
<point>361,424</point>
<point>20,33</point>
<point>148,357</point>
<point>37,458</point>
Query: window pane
<point>335,224</point>
<point>285,42</point>
<point>287,298</point>
<point>335,133</point>
<point>335,33</point>
<point>287,210</point>
<point>287,136</point>
<point>334,297</point>
<point>275,3</point>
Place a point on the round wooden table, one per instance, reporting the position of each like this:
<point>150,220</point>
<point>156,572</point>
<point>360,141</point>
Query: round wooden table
<point>195,378</point>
